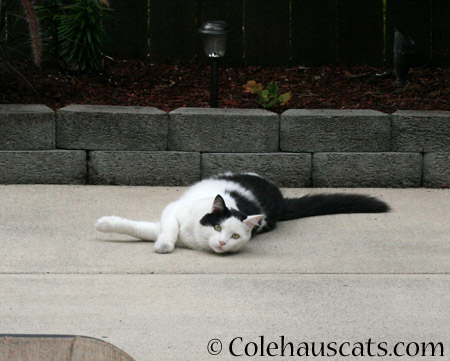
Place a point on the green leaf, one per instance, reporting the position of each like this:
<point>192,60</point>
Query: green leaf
<point>284,98</point>
<point>265,94</point>
<point>272,88</point>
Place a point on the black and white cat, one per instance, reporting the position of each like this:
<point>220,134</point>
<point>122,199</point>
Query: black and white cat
<point>223,212</point>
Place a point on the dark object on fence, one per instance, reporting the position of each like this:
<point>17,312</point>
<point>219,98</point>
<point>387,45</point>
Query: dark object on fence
<point>215,44</point>
<point>404,49</point>
<point>57,348</point>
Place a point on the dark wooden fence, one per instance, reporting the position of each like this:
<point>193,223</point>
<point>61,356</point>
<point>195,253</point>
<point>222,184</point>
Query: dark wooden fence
<point>278,32</point>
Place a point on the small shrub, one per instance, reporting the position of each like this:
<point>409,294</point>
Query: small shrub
<point>269,97</point>
<point>74,31</point>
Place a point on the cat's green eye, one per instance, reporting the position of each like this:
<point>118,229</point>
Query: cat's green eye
<point>235,236</point>
<point>217,228</point>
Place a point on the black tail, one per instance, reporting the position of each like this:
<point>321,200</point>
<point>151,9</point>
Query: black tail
<point>321,204</point>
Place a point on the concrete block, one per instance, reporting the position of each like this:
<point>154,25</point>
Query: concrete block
<point>284,169</point>
<point>420,131</point>
<point>330,130</point>
<point>103,127</point>
<point>436,170</point>
<point>144,168</point>
<point>223,130</point>
<point>26,127</point>
<point>396,170</point>
<point>43,167</point>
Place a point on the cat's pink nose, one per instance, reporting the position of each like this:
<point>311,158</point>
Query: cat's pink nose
<point>222,243</point>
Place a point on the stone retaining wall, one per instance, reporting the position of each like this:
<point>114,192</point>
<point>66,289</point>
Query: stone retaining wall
<point>87,144</point>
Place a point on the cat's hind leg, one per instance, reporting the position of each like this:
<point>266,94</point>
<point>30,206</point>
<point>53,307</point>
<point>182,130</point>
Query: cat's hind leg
<point>148,231</point>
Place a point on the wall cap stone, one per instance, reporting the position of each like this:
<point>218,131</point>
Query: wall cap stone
<point>334,130</point>
<point>24,109</point>
<point>103,127</point>
<point>111,109</point>
<point>240,130</point>
<point>330,113</point>
<point>223,111</point>
<point>422,113</point>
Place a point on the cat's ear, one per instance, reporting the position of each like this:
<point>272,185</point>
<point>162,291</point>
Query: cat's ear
<point>218,204</point>
<point>252,221</point>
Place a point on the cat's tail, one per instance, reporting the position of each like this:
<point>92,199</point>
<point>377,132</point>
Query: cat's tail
<point>322,204</point>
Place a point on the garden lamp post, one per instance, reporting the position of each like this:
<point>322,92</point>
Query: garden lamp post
<point>215,44</point>
<point>404,49</point>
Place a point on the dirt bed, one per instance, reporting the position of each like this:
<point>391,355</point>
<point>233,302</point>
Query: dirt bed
<point>171,86</point>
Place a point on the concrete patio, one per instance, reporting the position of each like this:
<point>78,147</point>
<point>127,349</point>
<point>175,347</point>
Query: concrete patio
<point>343,278</point>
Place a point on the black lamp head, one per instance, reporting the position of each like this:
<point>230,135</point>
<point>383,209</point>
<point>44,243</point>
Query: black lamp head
<point>214,38</point>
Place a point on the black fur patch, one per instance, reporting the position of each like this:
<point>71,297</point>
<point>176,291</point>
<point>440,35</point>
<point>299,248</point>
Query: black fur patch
<point>276,208</point>
<point>217,217</point>
<point>323,204</point>
<point>269,197</point>
<point>245,205</point>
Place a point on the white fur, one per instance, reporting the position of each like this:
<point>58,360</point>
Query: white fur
<point>180,221</point>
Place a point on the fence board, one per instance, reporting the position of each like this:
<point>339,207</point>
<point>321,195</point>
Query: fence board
<point>2,23</point>
<point>127,29</point>
<point>173,30</point>
<point>413,18</point>
<point>18,43</point>
<point>441,33</point>
<point>267,32</point>
<point>361,32</point>
<point>314,32</point>
<point>231,12</point>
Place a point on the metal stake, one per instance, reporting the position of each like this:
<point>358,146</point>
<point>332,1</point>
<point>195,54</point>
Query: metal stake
<point>214,91</point>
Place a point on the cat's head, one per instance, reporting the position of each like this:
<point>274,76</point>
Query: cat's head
<point>227,229</point>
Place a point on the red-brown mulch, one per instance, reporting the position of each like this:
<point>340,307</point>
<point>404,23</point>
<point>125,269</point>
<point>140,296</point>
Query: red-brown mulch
<point>171,86</point>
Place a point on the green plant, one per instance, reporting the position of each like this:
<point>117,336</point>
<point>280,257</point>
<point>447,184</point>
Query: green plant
<point>81,35</point>
<point>49,25</point>
<point>269,97</point>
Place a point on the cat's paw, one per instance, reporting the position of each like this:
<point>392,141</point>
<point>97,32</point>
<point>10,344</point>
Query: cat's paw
<point>163,247</point>
<point>106,224</point>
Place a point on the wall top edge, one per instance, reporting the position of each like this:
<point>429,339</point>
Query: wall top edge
<point>422,113</point>
<point>24,109</point>
<point>116,109</point>
<point>223,111</point>
<point>120,109</point>
<point>333,112</point>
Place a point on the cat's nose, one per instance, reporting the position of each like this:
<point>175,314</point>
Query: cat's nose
<point>222,243</point>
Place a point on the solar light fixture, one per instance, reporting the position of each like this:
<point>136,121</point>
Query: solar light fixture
<point>404,49</point>
<point>214,34</point>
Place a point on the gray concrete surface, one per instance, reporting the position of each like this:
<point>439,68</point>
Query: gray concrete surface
<point>44,166</point>
<point>144,168</point>
<point>334,130</point>
<point>436,170</point>
<point>420,131</point>
<point>342,278</point>
<point>111,127</point>
<point>223,130</point>
<point>390,169</point>
<point>26,127</point>
<point>284,169</point>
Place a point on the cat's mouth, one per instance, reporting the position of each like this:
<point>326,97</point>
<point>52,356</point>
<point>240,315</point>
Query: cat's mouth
<point>218,249</point>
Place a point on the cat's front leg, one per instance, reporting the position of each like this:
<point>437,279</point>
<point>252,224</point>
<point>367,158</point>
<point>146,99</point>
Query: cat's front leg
<point>148,231</point>
<point>169,231</point>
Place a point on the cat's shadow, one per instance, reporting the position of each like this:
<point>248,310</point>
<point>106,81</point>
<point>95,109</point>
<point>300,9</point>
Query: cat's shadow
<point>121,241</point>
<point>134,241</point>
